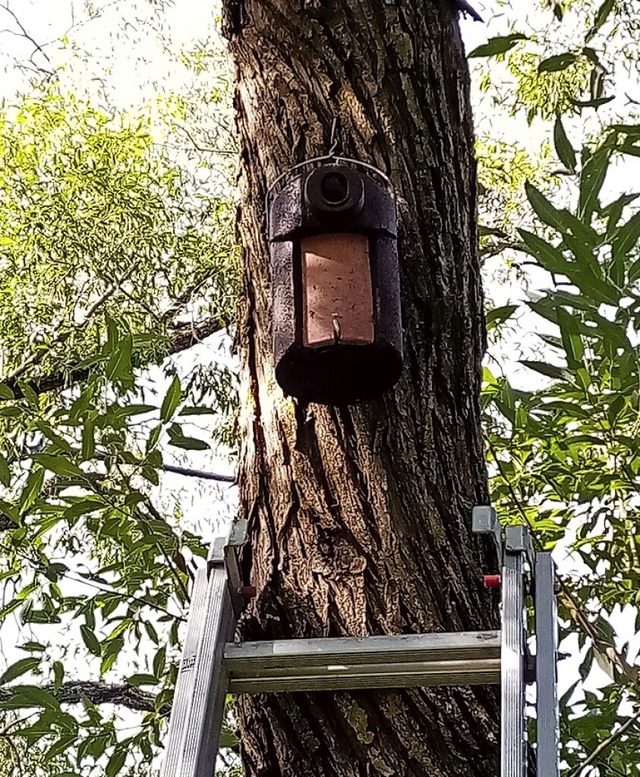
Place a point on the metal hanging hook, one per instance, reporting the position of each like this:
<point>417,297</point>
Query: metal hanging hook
<point>331,156</point>
<point>334,139</point>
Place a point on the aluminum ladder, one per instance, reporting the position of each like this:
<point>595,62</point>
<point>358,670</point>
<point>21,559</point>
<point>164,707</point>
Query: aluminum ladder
<point>213,665</point>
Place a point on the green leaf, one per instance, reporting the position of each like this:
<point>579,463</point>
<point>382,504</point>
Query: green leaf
<point>29,394</point>
<point>564,149</point>
<point>159,662</point>
<point>136,680</point>
<point>59,465</point>
<point>107,663</point>
<point>545,210</point>
<point>131,410</point>
<point>601,17</point>
<point>557,62</point>
<point>52,435</point>
<point>634,272</point>
<point>116,762</point>
<point>90,640</point>
<point>150,474</point>
<point>558,9</point>
<point>88,438</point>
<point>198,411</point>
<point>591,179</point>
<point>629,130</point>
<point>84,506</point>
<point>189,443</point>
<point>5,472</point>
<point>151,632</point>
<point>625,239</point>
<point>583,254</point>
<point>585,666</point>
<point>552,260</point>
<point>98,745</point>
<point>498,316</point>
<point>228,737</point>
<point>566,697</point>
<point>499,45</point>
<point>9,511</point>
<point>58,674</point>
<point>571,340</point>
<point>613,334</point>
<point>31,489</point>
<point>134,498</point>
<point>550,370</point>
<point>596,288</point>
<point>19,667</point>
<point>36,647</point>
<point>613,211</point>
<point>592,56</point>
<point>171,399</point>
<point>12,411</point>
<point>55,571</point>
<point>549,257</point>
<point>58,747</point>
<point>30,696</point>
<point>593,103</point>
<point>119,364</point>
<point>561,220</point>
<point>153,438</point>
<point>629,148</point>
<point>114,645</point>
<point>6,392</point>
<point>615,408</point>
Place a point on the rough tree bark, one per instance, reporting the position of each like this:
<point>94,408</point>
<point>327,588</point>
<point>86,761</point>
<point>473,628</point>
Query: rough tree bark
<point>360,516</point>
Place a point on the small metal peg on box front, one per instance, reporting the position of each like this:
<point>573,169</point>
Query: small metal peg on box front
<point>337,330</point>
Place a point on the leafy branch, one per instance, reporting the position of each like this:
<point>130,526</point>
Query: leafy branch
<point>63,336</point>
<point>605,745</point>
<point>73,692</point>
<point>184,337</point>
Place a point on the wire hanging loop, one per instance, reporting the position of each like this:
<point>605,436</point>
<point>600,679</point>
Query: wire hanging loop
<point>331,156</point>
<point>334,139</point>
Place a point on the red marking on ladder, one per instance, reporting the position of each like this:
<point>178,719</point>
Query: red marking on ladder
<point>491,581</point>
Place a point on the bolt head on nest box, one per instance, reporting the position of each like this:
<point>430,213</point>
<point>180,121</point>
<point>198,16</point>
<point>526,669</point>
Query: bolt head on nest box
<point>337,328</point>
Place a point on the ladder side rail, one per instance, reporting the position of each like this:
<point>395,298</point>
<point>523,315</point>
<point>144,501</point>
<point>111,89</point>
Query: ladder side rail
<point>183,694</point>
<point>547,711</point>
<point>512,723</point>
<point>211,679</point>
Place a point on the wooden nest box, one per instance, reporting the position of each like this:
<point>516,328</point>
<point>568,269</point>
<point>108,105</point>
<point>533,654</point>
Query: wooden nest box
<point>337,329</point>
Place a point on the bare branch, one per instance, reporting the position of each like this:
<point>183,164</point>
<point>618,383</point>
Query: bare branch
<point>6,524</point>
<point>37,47</point>
<point>199,473</point>
<point>465,9</point>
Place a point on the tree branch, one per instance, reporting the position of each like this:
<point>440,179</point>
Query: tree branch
<point>38,48</point>
<point>6,523</point>
<point>73,691</point>
<point>605,744</point>
<point>35,358</point>
<point>199,473</point>
<point>184,336</point>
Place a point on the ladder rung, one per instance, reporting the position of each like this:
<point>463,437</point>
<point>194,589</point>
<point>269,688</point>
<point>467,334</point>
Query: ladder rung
<point>461,658</point>
<point>334,678</point>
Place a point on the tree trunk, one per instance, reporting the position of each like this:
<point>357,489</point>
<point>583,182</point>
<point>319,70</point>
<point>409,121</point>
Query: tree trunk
<point>360,515</point>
